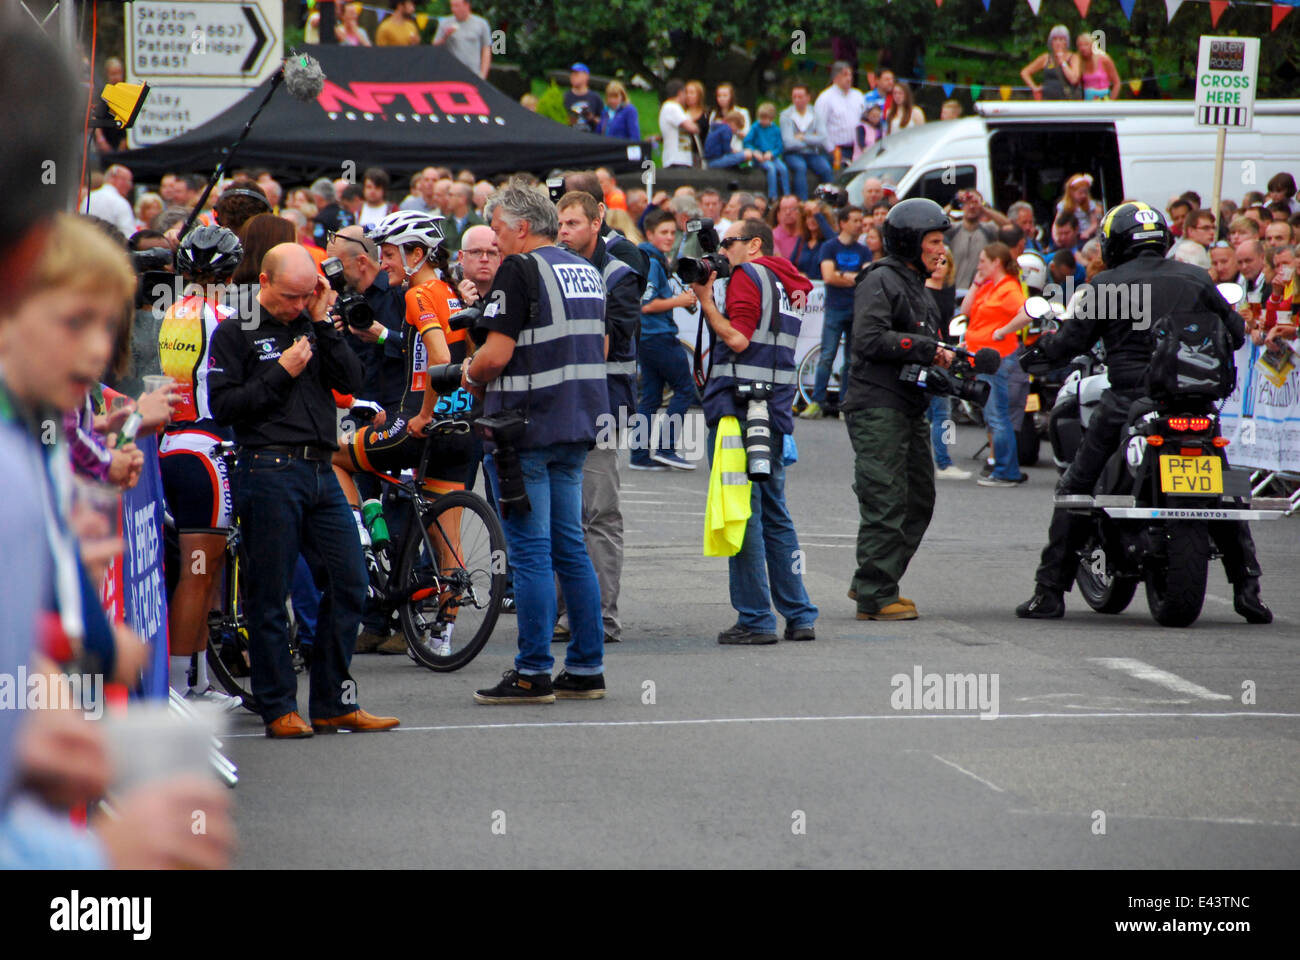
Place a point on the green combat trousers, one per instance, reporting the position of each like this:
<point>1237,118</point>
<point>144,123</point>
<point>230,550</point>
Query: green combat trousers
<point>893,476</point>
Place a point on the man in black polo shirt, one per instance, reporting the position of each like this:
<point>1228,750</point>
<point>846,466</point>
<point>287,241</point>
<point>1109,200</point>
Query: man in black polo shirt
<point>271,379</point>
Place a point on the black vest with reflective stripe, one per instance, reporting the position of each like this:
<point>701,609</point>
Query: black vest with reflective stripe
<point>771,346</point>
<point>556,375</point>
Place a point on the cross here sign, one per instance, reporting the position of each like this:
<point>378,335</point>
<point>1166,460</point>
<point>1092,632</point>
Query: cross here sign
<point>1227,76</point>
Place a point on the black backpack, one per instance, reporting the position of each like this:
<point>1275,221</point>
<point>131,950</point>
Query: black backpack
<point>1192,356</point>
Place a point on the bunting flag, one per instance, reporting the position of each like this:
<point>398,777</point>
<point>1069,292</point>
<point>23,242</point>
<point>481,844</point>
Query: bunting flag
<point>1127,7</point>
<point>948,88</point>
<point>1038,93</point>
<point>1035,5</point>
<point>871,79</point>
<point>986,6</point>
<point>1216,11</point>
<point>1135,86</point>
<point>975,90</point>
<point>1280,10</point>
<point>1171,7</point>
<point>1082,6</point>
<point>1005,91</point>
<point>421,20</point>
<point>938,3</point>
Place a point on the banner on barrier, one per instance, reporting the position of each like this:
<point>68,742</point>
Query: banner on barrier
<point>1262,417</point>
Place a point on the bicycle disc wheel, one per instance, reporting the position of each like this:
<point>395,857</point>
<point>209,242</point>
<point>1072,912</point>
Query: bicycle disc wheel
<point>451,581</point>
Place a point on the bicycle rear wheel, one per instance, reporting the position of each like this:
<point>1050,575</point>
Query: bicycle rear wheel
<point>227,651</point>
<point>451,582</point>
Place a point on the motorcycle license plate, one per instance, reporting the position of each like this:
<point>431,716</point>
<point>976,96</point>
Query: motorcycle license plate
<point>1031,403</point>
<point>1194,475</point>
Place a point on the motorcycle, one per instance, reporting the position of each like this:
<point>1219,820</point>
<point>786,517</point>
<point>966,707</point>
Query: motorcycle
<point>1149,514</point>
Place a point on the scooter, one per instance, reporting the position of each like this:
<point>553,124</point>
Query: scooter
<point>1149,514</point>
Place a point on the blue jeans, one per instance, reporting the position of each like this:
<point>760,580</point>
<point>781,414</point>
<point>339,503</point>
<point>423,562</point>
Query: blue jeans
<point>997,415</point>
<point>776,171</point>
<point>836,322</point>
<point>727,160</point>
<point>940,414</point>
<point>662,360</point>
<point>545,543</point>
<point>287,506</point>
<point>799,165</point>
<point>306,602</point>
<point>764,572</point>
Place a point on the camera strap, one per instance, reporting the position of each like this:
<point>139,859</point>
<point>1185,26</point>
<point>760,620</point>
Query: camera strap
<point>699,372</point>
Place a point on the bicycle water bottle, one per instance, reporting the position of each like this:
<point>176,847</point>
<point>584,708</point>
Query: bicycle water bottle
<point>372,512</point>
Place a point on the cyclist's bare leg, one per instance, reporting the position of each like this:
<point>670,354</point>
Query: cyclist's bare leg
<point>202,556</point>
<point>343,469</point>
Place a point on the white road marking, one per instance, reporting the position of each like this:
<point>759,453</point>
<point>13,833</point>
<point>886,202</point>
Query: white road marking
<point>1228,821</point>
<point>1181,715</point>
<point>974,776</point>
<point>1171,681</point>
<point>843,546</point>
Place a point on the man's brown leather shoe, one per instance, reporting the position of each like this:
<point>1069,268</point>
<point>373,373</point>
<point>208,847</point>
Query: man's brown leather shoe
<point>289,727</point>
<point>358,721</point>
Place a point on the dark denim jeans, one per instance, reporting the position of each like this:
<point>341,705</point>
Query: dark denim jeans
<point>768,568</point>
<point>800,163</point>
<point>662,360</point>
<point>1006,461</point>
<point>287,506</point>
<point>837,322</point>
<point>547,543</point>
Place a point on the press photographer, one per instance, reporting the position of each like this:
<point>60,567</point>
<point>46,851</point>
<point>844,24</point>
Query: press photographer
<point>377,337</point>
<point>752,378</point>
<point>541,369</point>
<point>896,354</point>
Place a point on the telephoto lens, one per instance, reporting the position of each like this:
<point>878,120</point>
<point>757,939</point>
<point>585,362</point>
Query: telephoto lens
<point>445,377</point>
<point>758,441</point>
<point>512,495</point>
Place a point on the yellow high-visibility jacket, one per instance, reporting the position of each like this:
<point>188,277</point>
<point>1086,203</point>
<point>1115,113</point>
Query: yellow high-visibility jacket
<point>727,509</point>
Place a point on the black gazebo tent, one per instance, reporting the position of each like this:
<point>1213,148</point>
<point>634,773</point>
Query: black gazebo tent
<point>400,108</point>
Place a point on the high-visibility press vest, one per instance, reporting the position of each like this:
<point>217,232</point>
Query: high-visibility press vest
<point>620,365</point>
<point>728,508</point>
<point>556,376</point>
<point>769,358</point>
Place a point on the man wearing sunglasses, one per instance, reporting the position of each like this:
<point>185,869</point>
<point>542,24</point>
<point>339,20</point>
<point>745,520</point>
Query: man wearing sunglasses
<point>379,346</point>
<point>755,343</point>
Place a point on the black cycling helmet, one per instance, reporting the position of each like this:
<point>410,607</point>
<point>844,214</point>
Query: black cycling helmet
<point>209,252</point>
<point>906,225</point>
<point>1130,228</point>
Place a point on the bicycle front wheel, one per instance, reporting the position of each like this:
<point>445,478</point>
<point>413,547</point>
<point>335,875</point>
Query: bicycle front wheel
<point>451,580</point>
<point>807,376</point>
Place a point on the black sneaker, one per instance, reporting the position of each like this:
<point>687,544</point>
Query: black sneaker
<point>799,633</point>
<point>516,687</point>
<point>1249,604</point>
<point>986,470</point>
<point>1043,605</point>
<point>508,605</point>
<point>569,687</point>
<point>743,635</point>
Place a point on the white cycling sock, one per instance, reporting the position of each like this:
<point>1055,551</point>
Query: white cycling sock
<point>201,681</point>
<point>361,527</point>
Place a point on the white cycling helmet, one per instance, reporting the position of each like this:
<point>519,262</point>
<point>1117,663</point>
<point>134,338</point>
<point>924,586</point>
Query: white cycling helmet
<point>409,227</point>
<point>1033,270</point>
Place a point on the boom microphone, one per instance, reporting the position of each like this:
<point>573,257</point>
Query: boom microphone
<point>986,360</point>
<point>303,77</point>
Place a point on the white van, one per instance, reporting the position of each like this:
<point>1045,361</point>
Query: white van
<point>1025,150</point>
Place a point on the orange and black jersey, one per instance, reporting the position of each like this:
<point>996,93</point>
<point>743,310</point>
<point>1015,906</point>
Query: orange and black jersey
<point>428,305</point>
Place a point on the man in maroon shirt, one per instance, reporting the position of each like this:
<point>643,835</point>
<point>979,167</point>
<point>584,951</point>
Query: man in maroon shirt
<point>785,236</point>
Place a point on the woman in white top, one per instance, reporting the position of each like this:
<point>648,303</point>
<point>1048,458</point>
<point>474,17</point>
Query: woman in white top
<point>904,112</point>
<point>1078,202</point>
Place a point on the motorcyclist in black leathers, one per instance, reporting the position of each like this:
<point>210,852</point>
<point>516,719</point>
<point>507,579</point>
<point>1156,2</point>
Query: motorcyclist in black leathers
<point>1134,238</point>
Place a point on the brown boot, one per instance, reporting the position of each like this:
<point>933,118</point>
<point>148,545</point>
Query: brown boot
<point>892,611</point>
<point>368,642</point>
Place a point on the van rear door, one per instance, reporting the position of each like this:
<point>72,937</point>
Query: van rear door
<point>1032,161</point>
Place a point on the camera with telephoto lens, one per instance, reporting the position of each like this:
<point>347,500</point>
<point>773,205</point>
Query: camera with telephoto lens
<point>958,380</point>
<point>350,306</point>
<point>697,269</point>
<point>758,429</point>
<point>153,267</point>
<point>445,377</point>
<point>506,429</point>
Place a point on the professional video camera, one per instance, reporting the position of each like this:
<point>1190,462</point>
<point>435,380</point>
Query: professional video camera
<point>350,305</point>
<point>506,429</point>
<point>835,196</point>
<point>958,380</point>
<point>153,267</point>
<point>697,269</point>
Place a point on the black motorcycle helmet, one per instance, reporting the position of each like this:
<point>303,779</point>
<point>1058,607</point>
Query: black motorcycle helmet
<point>1130,228</point>
<point>209,252</point>
<point>907,224</point>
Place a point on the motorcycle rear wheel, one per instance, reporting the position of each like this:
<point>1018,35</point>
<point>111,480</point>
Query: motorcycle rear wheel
<point>1176,592</point>
<point>1104,591</point>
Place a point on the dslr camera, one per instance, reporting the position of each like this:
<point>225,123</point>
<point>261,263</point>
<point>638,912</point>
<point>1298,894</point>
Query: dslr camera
<point>697,269</point>
<point>350,306</point>
<point>506,429</point>
<point>830,194</point>
<point>958,380</point>
<point>758,429</point>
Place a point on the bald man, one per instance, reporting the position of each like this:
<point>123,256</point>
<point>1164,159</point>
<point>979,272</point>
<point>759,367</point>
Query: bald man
<point>270,380</point>
<point>479,259</point>
<point>112,201</point>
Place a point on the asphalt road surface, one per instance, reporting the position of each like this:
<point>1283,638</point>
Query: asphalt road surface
<point>1117,743</point>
